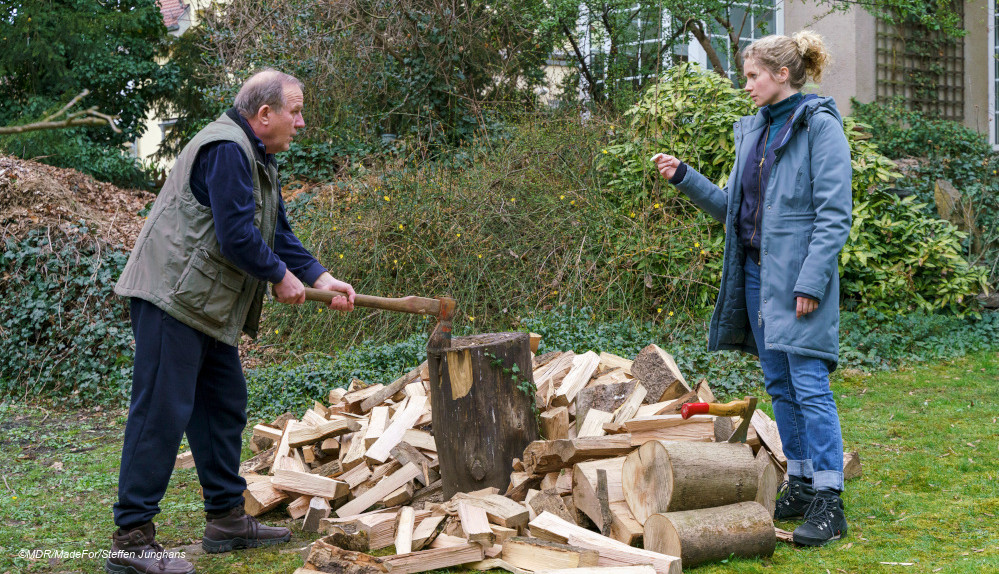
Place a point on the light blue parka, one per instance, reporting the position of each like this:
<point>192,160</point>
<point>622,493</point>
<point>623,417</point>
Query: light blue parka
<point>806,221</point>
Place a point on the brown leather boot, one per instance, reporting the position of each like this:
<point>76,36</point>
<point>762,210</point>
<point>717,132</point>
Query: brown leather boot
<point>237,529</point>
<point>136,552</point>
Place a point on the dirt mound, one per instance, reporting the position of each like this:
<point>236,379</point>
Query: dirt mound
<point>35,195</point>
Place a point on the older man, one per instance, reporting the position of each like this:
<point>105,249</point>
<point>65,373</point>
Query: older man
<point>216,237</point>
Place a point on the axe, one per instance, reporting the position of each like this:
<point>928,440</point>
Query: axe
<point>743,408</point>
<point>441,307</point>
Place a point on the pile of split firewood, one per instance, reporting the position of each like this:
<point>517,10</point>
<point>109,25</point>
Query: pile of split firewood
<point>621,480</point>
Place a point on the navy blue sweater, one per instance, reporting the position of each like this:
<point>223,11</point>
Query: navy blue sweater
<point>221,179</point>
<point>756,173</point>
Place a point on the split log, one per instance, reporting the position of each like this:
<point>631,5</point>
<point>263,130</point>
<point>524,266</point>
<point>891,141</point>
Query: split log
<point>395,433</point>
<point>629,408</point>
<point>268,432</point>
<point>593,426</point>
<point>387,485</point>
<point>434,559</point>
<point>606,397</point>
<point>298,507</point>
<point>399,496</point>
<point>394,387</point>
<point>259,463</point>
<point>612,552</point>
<point>744,530</point>
<point>427,495</point>
<point>583,367</point>
<point>364,532</point>
<point>665,476</point>
<point>499,509</point>
<point>318,509</point>
<point>261,496</point>
<point>427,531</point>
<point>405,452</point>
<point>312,484</point>
<point>658,372</point>
<point>354,399</point>
<point>482,420</point>
<point>520,483</point>
<point>325,557</point>
<point>404,524</point>
<point>585,497</point>
<point>377,423</point>
<point>612,361</point>
<point>475,524</point>
<point>536,555</point>
<point>766,430</point>
<point>553,503</point>
<point>542,457</point>
<point>555,423</point>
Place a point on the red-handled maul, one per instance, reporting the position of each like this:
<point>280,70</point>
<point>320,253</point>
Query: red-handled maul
<point>743,408</point>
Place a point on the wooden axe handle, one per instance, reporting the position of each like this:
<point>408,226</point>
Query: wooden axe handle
<point>732,409</point>
<point>411,304</point>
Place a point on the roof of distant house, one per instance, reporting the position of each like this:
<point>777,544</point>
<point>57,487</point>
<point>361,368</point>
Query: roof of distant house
<point>172,10</point>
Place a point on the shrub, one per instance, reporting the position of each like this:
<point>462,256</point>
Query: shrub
<point>65,334</point>
<point>899,258</point>
<point>944,150</point>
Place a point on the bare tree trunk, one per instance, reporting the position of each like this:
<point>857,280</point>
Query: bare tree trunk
<point>697,29</point>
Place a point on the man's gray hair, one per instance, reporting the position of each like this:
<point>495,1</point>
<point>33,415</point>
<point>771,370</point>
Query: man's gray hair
<point>265,88</point>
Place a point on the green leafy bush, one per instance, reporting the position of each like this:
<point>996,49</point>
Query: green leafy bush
<point>899,258</point>
<point>64,333</point>
<point>944,150</point>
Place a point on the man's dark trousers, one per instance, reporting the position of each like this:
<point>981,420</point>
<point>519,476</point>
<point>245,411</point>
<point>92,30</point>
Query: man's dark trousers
<point>184,381</point>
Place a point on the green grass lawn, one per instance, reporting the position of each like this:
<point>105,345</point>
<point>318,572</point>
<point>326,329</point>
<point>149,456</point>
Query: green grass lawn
<point>927,436</point>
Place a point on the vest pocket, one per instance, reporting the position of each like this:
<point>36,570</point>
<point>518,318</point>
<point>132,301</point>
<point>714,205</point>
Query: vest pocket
<point>210,286</point>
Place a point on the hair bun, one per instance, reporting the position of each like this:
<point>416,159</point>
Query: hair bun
<point>813,52</point>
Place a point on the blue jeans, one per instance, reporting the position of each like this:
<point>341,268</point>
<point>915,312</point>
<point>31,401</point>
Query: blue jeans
<point>803,402</point>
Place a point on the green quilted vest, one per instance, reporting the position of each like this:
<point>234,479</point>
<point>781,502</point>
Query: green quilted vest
<point>177,263</point>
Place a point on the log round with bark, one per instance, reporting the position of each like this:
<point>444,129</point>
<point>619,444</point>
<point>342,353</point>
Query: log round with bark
<point>669,476</point>
<point>706,535</point>
<point>482,416</point>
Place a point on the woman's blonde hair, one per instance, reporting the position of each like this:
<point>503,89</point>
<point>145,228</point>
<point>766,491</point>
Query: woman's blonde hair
<point>803,54</point>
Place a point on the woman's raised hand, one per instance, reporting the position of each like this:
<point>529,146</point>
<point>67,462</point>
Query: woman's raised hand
<point>666,164</point>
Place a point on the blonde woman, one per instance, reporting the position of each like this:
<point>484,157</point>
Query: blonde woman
<point>787,209</point>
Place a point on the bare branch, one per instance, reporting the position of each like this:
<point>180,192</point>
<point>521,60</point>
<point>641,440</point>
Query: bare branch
<point>87,117</point>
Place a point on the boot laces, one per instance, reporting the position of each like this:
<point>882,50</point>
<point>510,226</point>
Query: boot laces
<point>819,513</point>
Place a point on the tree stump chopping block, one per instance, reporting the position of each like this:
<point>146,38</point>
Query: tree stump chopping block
<point>482,399</point>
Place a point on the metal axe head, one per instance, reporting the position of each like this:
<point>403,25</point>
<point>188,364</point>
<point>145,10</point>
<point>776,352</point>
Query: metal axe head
<point>740,433</point>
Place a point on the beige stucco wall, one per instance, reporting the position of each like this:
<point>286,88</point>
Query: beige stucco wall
<point>849,36</point>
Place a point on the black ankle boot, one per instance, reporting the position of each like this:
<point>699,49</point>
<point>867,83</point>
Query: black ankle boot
<point>793,499</point>
<point>235,529</point>
<point>824,520</point>
<point>136,552</point>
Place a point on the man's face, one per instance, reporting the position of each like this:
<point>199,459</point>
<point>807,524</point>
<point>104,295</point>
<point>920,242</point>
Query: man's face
<point>279,126</point>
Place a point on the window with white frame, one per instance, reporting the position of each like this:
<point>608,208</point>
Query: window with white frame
<point>749,24</point>
<point>637,50</point>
